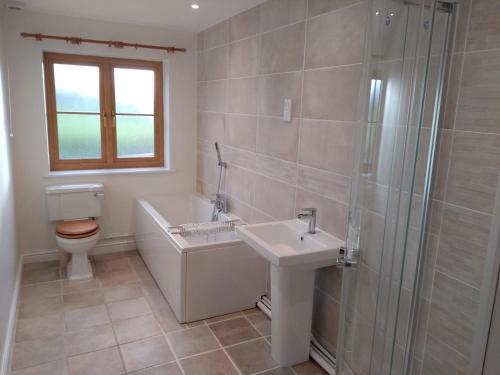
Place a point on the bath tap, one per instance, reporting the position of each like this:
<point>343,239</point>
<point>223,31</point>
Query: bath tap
<point>220,205</point>
<point>309,213</point>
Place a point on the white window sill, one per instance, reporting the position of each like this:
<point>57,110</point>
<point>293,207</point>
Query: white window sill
<point>117,171</point>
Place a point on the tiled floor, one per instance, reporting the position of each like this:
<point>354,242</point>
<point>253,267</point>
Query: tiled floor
<point>119,323</point>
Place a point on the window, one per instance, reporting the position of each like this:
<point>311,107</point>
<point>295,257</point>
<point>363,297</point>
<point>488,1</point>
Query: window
<point>103,112</point>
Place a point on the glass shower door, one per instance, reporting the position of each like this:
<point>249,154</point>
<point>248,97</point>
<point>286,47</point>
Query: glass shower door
<point>404,72</point>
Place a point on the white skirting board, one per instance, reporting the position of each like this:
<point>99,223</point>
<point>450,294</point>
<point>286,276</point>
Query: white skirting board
<point>319,354</point>
<point>11,324</point>
<point>105,246</point>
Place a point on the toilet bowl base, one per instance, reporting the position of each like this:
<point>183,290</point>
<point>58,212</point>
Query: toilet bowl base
<point>79,267</point>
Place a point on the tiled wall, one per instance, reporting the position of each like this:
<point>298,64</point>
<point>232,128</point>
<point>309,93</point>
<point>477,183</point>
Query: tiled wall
<point>468,172</point>
<point>307,50</point>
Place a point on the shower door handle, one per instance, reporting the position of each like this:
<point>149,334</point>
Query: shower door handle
<point>347,258</point>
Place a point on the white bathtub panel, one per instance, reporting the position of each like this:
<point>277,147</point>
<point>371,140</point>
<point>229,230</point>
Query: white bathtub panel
<point>162,258</point>
<point>223,280</point>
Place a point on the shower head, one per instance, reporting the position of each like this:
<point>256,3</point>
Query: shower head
<point>221,163</point>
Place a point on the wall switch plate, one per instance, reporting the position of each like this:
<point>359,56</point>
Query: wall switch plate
<point>287,110</point>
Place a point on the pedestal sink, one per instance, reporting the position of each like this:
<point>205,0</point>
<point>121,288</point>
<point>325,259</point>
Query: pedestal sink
<point>294,255</point>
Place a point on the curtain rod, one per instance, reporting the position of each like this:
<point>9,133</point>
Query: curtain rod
<point>109,43</point>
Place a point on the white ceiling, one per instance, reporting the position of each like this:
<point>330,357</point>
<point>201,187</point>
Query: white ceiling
<point>172,14</point>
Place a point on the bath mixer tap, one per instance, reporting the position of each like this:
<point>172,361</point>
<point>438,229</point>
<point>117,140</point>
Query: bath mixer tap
<point>309,213</point>
<point>220,205</point>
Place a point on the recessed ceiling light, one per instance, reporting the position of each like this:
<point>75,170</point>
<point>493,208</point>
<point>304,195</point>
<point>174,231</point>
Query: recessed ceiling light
<point>195,6</point>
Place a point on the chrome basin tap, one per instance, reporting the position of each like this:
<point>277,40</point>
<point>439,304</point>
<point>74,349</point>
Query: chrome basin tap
<point>309,213</point>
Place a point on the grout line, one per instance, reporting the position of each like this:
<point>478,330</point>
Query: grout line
<point>224,350</point>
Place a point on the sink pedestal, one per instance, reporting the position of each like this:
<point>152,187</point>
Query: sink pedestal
<point>292,292</point>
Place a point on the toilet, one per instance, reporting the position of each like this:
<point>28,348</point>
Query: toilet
<point>75,208</point>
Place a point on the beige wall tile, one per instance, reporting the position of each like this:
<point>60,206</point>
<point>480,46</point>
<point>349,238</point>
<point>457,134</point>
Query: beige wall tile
<point>332,94</point>
<point>273,89</point>
<point>211,126</point>
<point>451,91</point>
<point>326,320</point>
<point>440,359</point>
<point>337,38</point>
<point>282,50</point>
<point>473,175</point>
<point>443,159</point>
<point>244,58</point>
<point>327,145</point>
<point>244,24</point>
<point>462,25</point>
<point>331,185</point>
<point>479,102</point>
<point>240,183</point>
<point>242,95</point>
<point>276,168</point>
<point>276,13</point>
<point>236,156</point>
<point>216,35</point>
<point>463,244</point>
<point>329,281</point>
<point>317,7</point>
<point>241,131</point>
<point>453,313</point>
<point>278,138</point>
<point>274,198</point>
<point>484,28</point>
<point>214,64</point>
<point>212,96</point>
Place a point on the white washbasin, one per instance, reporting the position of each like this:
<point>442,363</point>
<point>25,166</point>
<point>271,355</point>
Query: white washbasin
<point>287,243</point>
<point>295,255</point>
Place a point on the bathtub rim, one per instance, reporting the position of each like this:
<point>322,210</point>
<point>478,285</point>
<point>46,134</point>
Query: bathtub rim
<point>181,244</point>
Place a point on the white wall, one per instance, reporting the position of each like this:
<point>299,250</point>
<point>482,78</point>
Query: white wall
<point>30,152</point>
<point>8,254</point>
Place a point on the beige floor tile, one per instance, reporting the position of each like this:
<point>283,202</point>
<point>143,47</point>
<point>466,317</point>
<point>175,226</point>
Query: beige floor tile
<point>192,341</point>
<point>253,356</point>
<point>168,369</point>
<point>119,277</point>
<point>40,275</point>
<point>86,317</point>
<point>37,307</point>
<point>168,321</point>
<point>75,286</point>
<point>121,292</point>
<point>279,371</point>
<point>309,368</point>
<point>34,328</point>
<point>129,308</point>
<point>108,257</point>
<point>195,324</point>
<point>261,322</point>
<point>89,339</point>
<point>213,363</point>
<point>223,317</point>
<point>119,264</point>
<point>134,329</point>
<point>146,353</point>
<point>49,289</point>
<point>102,362</point>
<point>52,368</point>
<point>36,352</point>
<point>80,300</point>
<point>233,331</point>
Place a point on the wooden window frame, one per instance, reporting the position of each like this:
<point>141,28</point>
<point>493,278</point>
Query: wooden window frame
<point>109,156</point>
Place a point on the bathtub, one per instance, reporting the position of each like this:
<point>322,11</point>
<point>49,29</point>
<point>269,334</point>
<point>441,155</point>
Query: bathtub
<point>200,276</point>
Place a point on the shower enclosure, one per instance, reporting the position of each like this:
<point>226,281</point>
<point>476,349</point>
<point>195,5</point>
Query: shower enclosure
<point>387,280</point>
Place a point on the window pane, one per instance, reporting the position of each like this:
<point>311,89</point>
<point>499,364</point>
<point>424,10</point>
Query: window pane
<point>134,90</point>
<point>135,136</point>
<point>77,88</point>
<point>79,136</point>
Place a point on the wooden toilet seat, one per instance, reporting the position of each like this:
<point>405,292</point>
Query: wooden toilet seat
<point>75,229</point>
